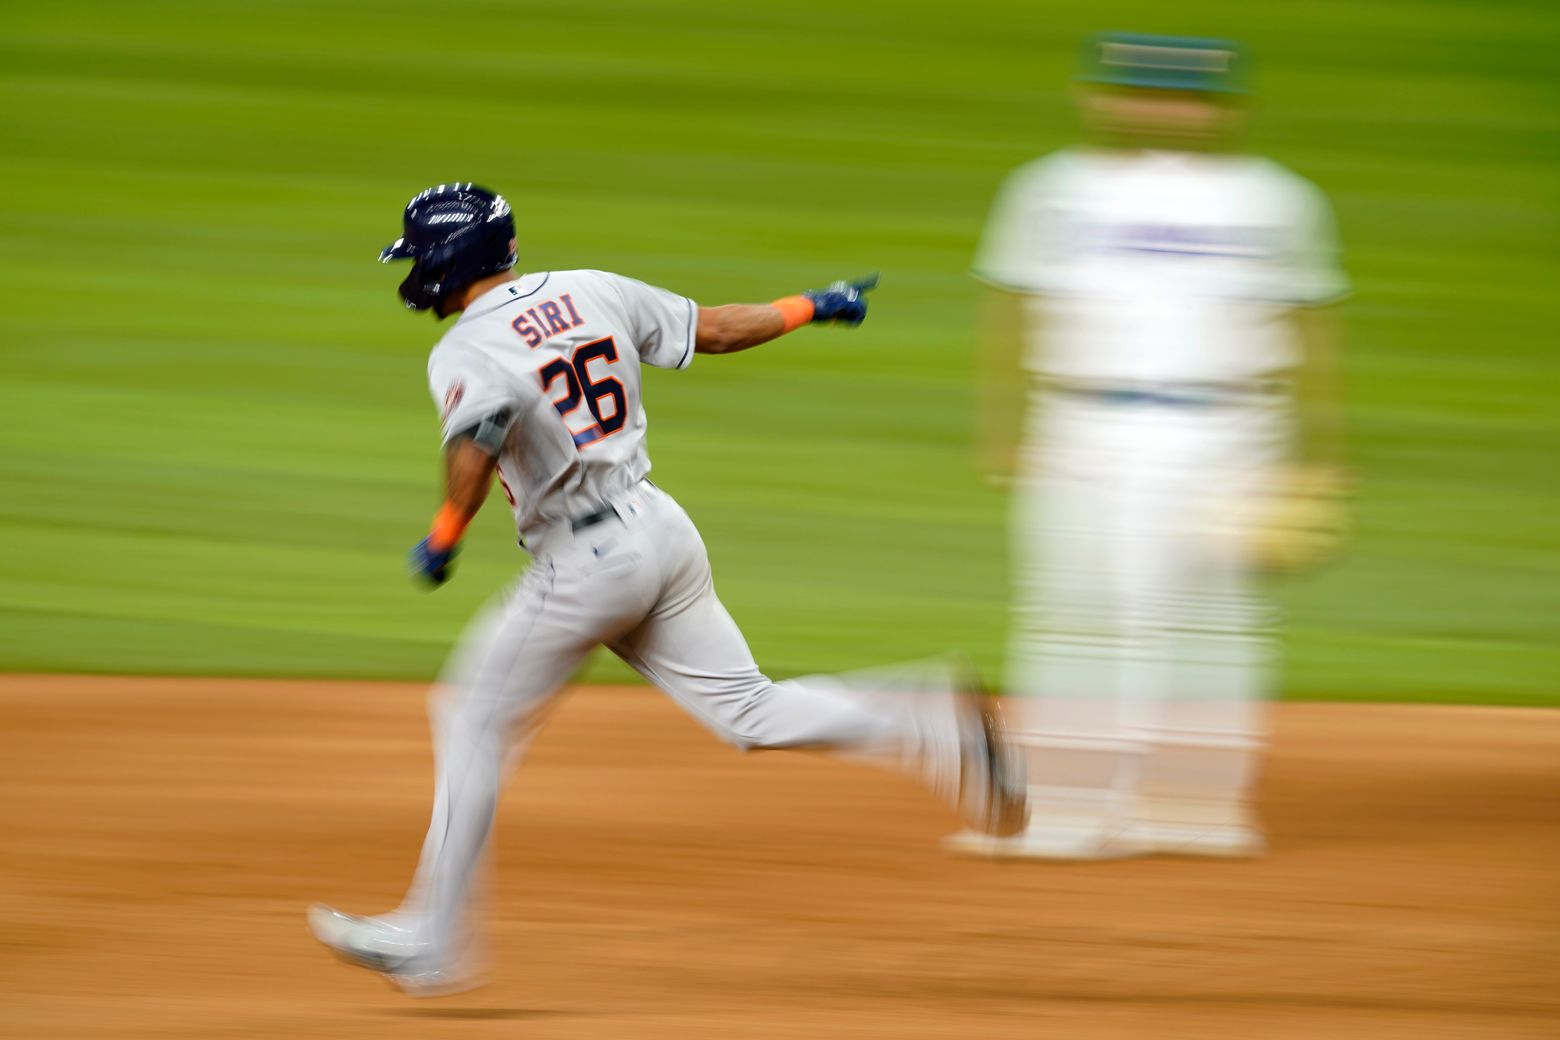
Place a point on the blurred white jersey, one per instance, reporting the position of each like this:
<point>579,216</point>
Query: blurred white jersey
<point>1159,267</point>
<point>561,352</point>
<point>1155,287</point>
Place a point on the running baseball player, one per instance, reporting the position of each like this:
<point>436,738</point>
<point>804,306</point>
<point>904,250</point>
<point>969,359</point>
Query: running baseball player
<point>1163,295</point>
<point>538,382</point>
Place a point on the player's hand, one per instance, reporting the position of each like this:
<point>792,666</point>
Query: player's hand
<point>430,564</point>
<point>842,302</point>
<point>1304,521</point>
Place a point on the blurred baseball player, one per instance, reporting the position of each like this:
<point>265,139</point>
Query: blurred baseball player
<point>1180,436</point>
<point>539,382</point>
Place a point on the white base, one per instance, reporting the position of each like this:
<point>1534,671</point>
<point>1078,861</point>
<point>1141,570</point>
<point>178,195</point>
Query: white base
<point>1042,842</point>
<point>1236,841</point>
<point>1121,842</point>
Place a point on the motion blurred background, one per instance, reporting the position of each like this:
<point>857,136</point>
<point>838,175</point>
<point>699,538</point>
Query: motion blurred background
<point>215,437</point>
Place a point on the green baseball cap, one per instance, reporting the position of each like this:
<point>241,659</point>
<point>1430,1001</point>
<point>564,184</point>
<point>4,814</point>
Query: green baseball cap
<point>1165,63</point>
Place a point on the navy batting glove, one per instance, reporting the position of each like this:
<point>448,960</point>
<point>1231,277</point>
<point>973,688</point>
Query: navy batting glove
<point>430,564</point>
<point>842,302</point>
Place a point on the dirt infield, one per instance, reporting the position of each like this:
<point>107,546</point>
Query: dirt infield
<point>162,837</point>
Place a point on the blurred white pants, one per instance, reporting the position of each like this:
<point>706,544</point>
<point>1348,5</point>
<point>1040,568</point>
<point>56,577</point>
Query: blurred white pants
<point>640,583</point>
<point>1140,652</point>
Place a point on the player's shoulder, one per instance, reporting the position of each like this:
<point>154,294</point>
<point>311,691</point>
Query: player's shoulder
<point>471,343</point>
<point>1280,182</point>
<point>634,294</point>
<point>1048,172</point>
<point>454,347</point>
<point>591,282</point>
<point>587,276</point>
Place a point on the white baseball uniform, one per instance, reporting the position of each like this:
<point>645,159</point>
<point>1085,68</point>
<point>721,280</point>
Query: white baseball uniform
<point>617,562</point>
<point>1155,286</point>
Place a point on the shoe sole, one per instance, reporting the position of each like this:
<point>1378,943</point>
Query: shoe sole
<point>322,921</point>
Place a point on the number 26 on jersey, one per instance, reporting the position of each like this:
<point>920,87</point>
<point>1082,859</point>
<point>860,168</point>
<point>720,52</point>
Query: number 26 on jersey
<point>602,395</point>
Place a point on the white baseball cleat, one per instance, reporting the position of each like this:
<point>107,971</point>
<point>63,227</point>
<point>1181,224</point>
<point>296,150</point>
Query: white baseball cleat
<point>374,943</point>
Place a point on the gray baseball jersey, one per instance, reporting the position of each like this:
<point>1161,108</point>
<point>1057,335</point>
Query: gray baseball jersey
<point>561,351</point>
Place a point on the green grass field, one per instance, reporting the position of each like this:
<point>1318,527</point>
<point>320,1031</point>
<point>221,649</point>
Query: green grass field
<point>215,437</point>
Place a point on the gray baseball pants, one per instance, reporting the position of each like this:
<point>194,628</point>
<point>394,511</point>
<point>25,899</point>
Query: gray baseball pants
<point>640,584</point>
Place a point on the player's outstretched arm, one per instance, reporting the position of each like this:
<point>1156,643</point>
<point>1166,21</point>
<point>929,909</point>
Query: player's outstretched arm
<point>738,326</point>
<point>469,462</point>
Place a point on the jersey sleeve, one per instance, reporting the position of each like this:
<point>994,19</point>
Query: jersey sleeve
<point>1019,248</point>
<point>662,323</point>
<point>467,387</point>
<point>1311,272</point>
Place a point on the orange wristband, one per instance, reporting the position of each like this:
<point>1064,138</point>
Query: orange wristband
<point>796,310</point>
<point>448,526</point>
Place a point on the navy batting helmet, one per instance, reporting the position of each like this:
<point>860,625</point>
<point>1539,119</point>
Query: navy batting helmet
<point>453,234</point>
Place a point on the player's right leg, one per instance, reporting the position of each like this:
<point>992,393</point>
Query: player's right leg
<point>1075,679</point>
<point>690,647</point>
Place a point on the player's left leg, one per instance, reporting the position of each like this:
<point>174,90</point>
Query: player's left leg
<point>484,712</point>
<point>491,700</point>
<point>1205,744</point>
